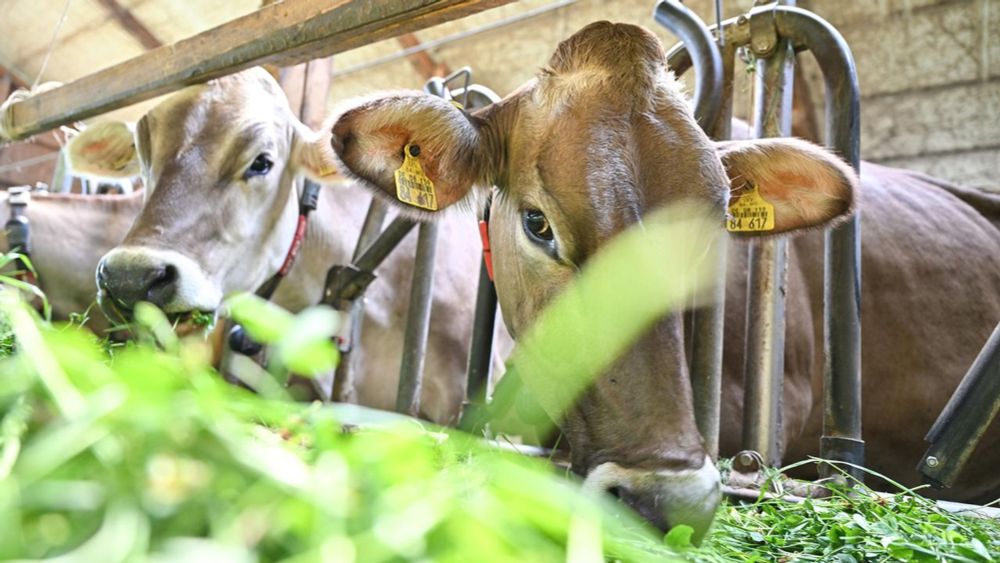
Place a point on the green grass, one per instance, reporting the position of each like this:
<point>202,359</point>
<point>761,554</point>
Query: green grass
<point>150,455</point>
<point>848,527</point>
<point>142,452</point>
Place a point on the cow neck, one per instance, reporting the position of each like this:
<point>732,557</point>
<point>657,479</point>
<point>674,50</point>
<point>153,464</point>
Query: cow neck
<point>307,204</point>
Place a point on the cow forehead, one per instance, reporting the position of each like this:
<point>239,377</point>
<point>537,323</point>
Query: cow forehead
<point>588,146</point>
<point>208,117</point>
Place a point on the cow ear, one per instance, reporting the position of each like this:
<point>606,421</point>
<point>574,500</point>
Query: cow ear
<point>104,150</point>
<point>370,139</point>
<point>314,156</point>
<point>803,185</point>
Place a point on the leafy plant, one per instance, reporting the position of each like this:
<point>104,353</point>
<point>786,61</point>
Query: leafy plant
<point>150,455</point>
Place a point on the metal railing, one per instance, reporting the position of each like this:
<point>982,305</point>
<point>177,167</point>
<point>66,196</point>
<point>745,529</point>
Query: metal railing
<point>771,32</point>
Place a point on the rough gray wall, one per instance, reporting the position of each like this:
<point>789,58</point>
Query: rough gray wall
<point>929,69</point>
<point>930,83</point>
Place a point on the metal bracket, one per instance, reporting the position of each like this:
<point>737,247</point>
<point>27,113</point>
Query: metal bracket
<point>843,449</point>
<point>960,427</point>
<point>18,228</point>
<point>344,284</point>
<point>763,32</point>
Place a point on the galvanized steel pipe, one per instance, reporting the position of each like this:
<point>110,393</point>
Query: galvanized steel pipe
<point>411,367</point>
<point>698,42</point>
<point>764,368</point>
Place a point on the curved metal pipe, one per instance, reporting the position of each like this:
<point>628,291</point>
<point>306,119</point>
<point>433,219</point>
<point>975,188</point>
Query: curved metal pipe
<point>842,264</point>
<point>697,41</point>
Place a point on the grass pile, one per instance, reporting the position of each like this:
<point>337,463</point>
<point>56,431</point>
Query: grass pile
<point>142,452</point>
<point>148,455</point>
<point>850,526</point>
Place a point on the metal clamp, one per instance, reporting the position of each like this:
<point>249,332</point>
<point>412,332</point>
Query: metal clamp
<point>18,227</point>
<point>763,32</point>
<point>344,284</point>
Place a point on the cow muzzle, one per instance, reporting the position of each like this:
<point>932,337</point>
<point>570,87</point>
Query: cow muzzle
<point>171,281</point>
<point>665,498</point>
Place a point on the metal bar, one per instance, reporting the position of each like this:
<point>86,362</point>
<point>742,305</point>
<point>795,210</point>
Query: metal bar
<point>418,319</point>
<point>480,351</point>
<point>764,368</point>
<point>284,33</point>
<point>696,39</point>
<point>842,257</point>
<point>708,320</point>
<point>964,420</point>
<point>373,256</point>
<point>842,267</point>
<point>344,390</point>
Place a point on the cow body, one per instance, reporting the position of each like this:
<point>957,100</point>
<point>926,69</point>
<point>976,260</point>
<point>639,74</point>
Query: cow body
<point>69,234</point>
<point>930,272</point>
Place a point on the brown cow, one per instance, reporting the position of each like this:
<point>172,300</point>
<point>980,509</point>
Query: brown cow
<point>221,162</point>
<point>930,270</point>
<point>600,139</point>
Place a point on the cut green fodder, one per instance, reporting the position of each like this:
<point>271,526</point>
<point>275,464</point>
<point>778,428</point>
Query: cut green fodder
<point>849,526</point>
<point>150,455</point>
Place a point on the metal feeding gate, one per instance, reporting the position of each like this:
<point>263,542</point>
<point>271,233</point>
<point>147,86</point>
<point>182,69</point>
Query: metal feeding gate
<point>345,285</point>
<point>773,34</point>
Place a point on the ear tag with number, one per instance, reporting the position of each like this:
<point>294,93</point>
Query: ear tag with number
<point>750,213</point>
<point>412,185</point>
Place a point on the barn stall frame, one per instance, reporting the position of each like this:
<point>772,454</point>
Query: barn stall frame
<point>974,404</point>
<point>769,31</point>
<point>297,30</point>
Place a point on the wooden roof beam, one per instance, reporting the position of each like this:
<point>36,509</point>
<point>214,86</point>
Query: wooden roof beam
<point>131,24</point>
<point>422,61</point>
<point>9,82</point>
<point>285,33</point>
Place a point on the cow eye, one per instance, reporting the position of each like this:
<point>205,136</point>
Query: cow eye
<point>536,225</point>
<point>260,166</point>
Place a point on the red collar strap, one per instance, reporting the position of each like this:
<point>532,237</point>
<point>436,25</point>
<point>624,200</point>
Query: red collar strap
<point>293,250</point>
<point>484,234</point>
<point>307,203</point>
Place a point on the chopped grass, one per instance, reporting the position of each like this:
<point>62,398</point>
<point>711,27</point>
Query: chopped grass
<point>853,524</point>
<point>150,455</point>
<point>146,454</point>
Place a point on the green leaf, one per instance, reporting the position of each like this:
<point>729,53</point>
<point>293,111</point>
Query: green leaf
<point>679,537</point>
<point>264,321</point>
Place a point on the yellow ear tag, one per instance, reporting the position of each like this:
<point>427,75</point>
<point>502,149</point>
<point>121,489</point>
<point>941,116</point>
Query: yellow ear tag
<point>412,185</point>
<point>750,213</point>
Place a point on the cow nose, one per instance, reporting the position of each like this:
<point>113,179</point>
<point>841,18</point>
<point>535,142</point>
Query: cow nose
<point>128,283</point>
<point>666,498</point>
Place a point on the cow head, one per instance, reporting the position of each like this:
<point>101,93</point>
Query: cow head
<point>219,161</point>
<point>598,140</point>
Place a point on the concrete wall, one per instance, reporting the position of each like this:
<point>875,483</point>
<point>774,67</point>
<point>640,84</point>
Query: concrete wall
<point>930,83</point>
<point>929,69</point>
